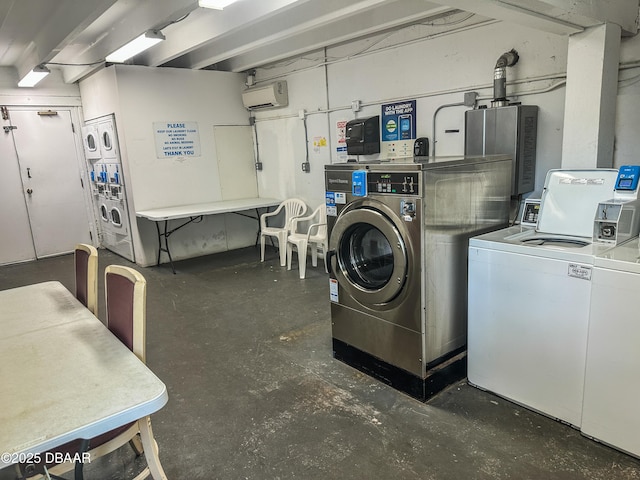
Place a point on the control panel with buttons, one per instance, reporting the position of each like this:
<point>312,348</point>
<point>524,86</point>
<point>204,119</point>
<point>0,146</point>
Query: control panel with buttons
<point>405,184</point>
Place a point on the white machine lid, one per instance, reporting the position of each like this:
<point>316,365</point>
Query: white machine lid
<point>570,199</point>
<point>624,257</point>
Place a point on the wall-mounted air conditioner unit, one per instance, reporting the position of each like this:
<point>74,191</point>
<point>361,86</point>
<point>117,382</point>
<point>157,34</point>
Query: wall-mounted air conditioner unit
<point>269,96</point>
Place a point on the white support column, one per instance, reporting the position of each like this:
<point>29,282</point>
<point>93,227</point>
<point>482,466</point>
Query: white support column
<point>590,102</point>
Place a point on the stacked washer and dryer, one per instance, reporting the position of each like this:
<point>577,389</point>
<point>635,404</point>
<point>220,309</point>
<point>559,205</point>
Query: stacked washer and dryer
<point>398,239</point>
<point>107,184</point>
<point>542,304</point>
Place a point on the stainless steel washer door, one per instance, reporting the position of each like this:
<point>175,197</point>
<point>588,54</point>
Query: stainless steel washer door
<point>371,256</point>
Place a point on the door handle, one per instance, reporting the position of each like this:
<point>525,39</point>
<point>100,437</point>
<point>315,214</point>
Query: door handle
<point>29,191</point>
<point>330,253</point>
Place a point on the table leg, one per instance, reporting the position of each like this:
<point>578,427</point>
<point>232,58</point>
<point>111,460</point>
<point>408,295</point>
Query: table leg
<point>259,228</point>
<point>164,248</point>
<point>167,233</point>
<point>84,447</point>
<point>257,218</point>
<point>159,241</point>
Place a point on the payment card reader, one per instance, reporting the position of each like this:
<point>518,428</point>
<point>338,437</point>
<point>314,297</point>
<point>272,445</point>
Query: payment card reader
<point>627,181</point>
<point>359,183</point>
<point>618,219</point>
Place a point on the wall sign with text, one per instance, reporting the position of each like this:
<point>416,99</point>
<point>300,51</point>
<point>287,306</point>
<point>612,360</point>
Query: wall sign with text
<point>399,121</point>
<point>176,139</point>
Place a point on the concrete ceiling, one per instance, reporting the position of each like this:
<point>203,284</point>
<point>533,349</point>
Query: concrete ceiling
<point>76,35</point>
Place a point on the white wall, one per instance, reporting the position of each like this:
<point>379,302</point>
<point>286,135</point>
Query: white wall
<point>282,143</point>
<point>627,140</point>
<point>140,96</point>
<point>434,71</point>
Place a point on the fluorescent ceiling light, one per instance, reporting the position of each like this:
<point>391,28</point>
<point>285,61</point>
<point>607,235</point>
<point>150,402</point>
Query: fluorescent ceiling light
<point>34,76</point>
<point>216,4</point>
<point>135,46</point>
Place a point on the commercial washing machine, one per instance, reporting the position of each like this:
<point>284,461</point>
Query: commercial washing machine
<point>398,236</point>
<point>611,390</point>
<point>530,291</point>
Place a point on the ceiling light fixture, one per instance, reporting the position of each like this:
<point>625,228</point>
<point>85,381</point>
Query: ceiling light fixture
<point>215,4</point>
<point>34,76</point>
<point>135,46</point>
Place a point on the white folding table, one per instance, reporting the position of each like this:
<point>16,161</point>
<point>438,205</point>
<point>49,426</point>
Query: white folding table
<point>195,212</point>
<point>65,376</point>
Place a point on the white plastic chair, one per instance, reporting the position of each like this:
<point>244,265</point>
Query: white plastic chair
<point>293,207</point>
<point>315,237</point>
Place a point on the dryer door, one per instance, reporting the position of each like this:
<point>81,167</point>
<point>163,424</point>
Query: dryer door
<point>104,213</point>
<point>371,255</point>
<point>116,217</point>
<point>91,142</point>
<point>108,145</point>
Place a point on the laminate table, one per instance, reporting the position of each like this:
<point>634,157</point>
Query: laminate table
<point>65,376</point>
<point>195,213</point>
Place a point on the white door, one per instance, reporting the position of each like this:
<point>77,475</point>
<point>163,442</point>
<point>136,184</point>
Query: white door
<point>51,181</point>
<point>236,161</point>
<point>16,244</point>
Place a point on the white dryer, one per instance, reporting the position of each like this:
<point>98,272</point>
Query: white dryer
<point>115,227</point>
<point>108,185</point>
<point>108,139</point>
<point>611,389</point>
<point>91,142</point>
<point>529,293</point>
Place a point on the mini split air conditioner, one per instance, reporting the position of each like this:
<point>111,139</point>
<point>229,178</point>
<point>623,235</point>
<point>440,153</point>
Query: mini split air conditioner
<point>269,96</point>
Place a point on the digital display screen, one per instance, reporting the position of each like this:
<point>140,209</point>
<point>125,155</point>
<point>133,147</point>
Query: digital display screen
<point>625,183</point>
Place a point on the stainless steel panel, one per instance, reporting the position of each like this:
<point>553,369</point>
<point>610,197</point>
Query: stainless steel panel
<point>474,131</point>
<point>460,201</point>
<point>510,130</point>
<point>384,340</point>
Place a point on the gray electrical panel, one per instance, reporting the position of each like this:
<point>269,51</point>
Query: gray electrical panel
<point>510,130</point>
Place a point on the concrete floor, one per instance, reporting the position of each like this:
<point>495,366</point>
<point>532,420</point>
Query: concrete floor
<point>245,351</point>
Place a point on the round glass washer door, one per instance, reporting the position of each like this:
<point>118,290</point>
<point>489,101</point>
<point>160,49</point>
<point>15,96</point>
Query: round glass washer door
<point>371,256</point>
